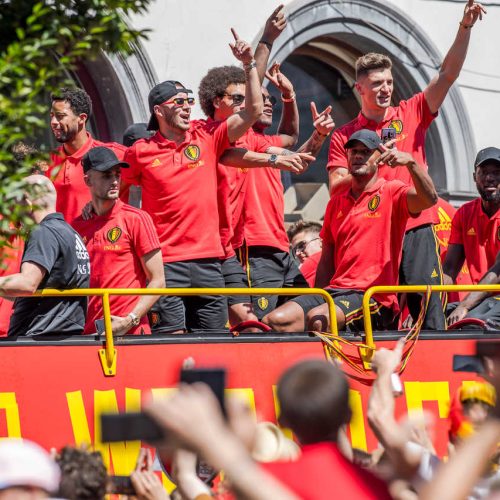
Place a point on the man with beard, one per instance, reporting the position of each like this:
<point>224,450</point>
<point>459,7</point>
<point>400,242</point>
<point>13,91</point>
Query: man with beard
<point>177,170</point>
<point>475,229</point>
<point>122,244</point>
<point>71,109</point>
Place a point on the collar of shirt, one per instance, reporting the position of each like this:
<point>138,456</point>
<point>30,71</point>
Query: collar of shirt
<point>79,154</point>
<point>496,215</point>
<point>372,189</point>
<point>111,213</point>
<point>163,142</point>
<point>53,215</point>
<point>365,122</point>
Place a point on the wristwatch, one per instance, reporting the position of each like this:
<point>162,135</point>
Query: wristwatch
<point>272,160</point>
<point>135,319</point>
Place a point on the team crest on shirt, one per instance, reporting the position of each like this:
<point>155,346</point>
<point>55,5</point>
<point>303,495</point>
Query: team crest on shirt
<point>374,203</point>
<point>192,152</point>
<point>397,125</point>
<point>114,234</point>
<point>263,303</point>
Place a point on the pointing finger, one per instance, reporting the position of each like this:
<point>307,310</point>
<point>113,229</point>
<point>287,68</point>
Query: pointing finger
<point>314,111</point>
<point>236,37</point>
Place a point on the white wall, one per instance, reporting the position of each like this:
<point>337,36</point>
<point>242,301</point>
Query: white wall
<point>190,36</point>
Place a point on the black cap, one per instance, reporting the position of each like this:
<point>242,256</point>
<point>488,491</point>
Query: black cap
<point>368,137</point>
<point>101,159</point>
<point>135,132</point>
<point>161,93</point>
<point>487,154</point>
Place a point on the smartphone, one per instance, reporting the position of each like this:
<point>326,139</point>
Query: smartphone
<point>99,326</point>
<point>215,378</point>
<point>130,427</point>
<point>121,485</point>
<point>388,134</point>
<point>462,363</point>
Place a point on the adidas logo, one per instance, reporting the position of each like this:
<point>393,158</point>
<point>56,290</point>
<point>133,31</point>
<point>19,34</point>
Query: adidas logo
<point>471,232</point>
<point>345,303</point>
<point>434,274</point>
<point>339,215</point>
<point>156,163</point>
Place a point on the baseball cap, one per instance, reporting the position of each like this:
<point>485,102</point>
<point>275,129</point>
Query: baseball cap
<point>135,132</point>
<point>368,137</point>
<point>161,93</point>
<point>101,159</point>
<point>24,463</point>
<point>487,154</point>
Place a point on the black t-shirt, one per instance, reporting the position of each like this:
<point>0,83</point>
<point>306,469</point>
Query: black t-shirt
<point>57,247</point>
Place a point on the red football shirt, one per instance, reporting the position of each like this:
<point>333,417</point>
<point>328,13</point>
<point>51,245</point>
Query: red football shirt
<point>323,473</point>
<point>11,264</point>
<point>66,172</point>
<point>231,188</point>
<point>309,266</point>
<point>179,189</point>
<point>479,235</point>
<point>116,242</point>
<point>264,205</point>
<point>367,235</point>
<point>411,119</point>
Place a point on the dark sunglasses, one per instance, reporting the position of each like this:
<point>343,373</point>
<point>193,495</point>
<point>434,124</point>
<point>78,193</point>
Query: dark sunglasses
<point>179,101</point>
<point>236,98</point>
<point>269,98</point>
<point>301,246</point>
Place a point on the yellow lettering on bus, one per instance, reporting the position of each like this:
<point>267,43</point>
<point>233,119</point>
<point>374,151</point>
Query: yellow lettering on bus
<point>418,392</point>
<point>8,403</point>
<point>357,424</point>
<point>121,455</point>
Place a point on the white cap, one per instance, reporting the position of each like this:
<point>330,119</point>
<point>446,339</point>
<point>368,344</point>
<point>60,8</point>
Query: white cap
<point>24,463</point>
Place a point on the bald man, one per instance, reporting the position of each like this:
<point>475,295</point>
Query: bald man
<point>54,257</point>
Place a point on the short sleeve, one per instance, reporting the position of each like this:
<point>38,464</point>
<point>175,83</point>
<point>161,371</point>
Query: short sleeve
<point>264,142</point>
<point>42,248</point>
<point>399,194</point>
<point>145,236</point>
<point>418,107</point>
<point>132,175</point>
<point>456,237</point>
<point>326,231</point>
<point>337,156</point>
<point>220,138</point>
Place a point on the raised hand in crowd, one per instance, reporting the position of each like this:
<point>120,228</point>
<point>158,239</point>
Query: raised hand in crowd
<point>472,12</point>
<point>193,420</point>
<point>275,25</point>
<point>393,157</point>
<point>146,483</point>
<point>280,81</point>
<point>241,49</point>
<point>296,163</point>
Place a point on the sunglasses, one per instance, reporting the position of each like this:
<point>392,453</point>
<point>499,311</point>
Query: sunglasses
<point>269,98</point>
<point>236,98</point>
<point>301,246</point>
<point>179,101</point>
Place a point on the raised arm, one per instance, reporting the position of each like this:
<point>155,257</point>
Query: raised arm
<point>240,122</point>
<point>288,128</point>
<point>323,124</point>
<point>424,194</point>
<point>473,299</point>
<point>275,25</point>
<point>437,89</point>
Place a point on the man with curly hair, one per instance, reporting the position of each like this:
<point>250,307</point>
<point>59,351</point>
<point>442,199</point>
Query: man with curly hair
<point>71,109</point>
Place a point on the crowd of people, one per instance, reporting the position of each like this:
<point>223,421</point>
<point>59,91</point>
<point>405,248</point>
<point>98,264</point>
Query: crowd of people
<point>211,209</point>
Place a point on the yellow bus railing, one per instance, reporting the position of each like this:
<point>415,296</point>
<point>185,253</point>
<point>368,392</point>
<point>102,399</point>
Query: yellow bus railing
<point>108,355</point>
<point>409,289</point>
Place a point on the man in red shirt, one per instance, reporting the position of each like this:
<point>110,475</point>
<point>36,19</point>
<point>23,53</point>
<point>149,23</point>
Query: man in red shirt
<point>123,247</point>
<point>71,109</point>
<point>177,170</point>
<point>314,403</point>
<point>409,123</point>
<point>362,239</point>
<point>475,229</point>
<point>306,247</point>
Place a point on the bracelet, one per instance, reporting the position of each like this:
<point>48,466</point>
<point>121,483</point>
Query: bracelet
<point>290,99</point>
<point>465,26</point>
<point>319,133</point>
<point>252,64</point>
<point>269,45</point>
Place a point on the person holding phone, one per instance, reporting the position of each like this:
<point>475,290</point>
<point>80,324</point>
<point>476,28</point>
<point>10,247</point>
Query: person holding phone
<point>409,120</point>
